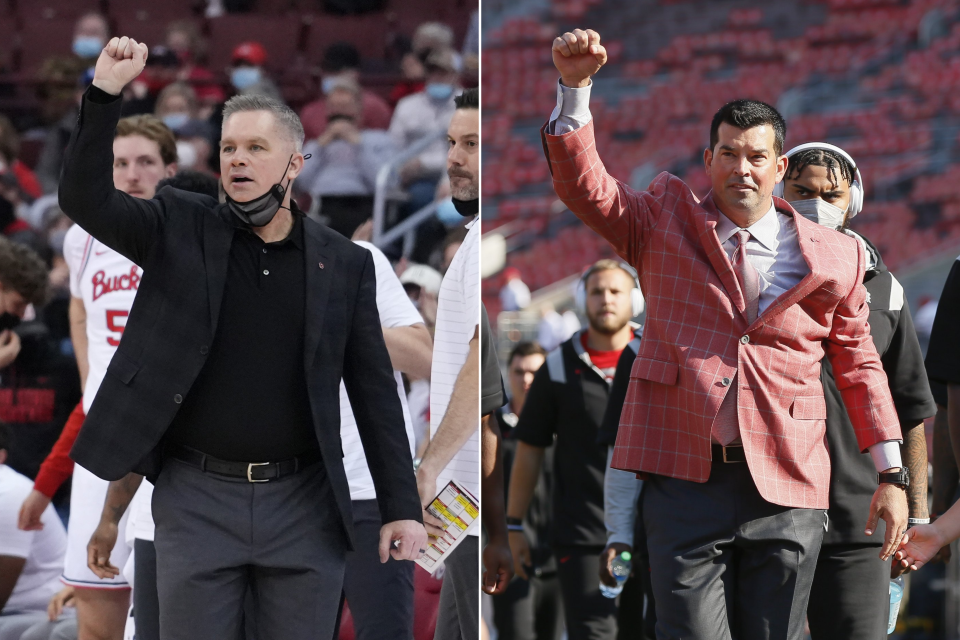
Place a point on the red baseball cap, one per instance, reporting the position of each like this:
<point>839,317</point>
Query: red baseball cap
<point>250,52</point>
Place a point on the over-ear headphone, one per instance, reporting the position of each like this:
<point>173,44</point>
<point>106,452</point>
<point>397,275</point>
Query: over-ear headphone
<point>636,296</point>
<point>856,188</point>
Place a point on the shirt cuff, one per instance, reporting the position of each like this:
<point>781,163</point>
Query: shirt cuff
<point>885,455</point>
<point>572,110</point>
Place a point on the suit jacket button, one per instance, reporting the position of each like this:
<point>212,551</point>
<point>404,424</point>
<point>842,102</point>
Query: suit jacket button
<point>725,382</point>
<point>204,350</point>
<point>744,339</point>
<point>178,398</point>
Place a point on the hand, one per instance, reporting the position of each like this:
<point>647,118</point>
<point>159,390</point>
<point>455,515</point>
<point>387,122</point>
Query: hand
<point>121,61</point>
<point>410,535</point>
<point>9,347</point>
<point>890,503</point>
<point>613,550</point>
<point>497,567</point>
<point>919,546</point>
<point>101,544</point>
<point>364,232</point>
<point>520,549</point>
<point>31,511</point>
<point>427,487</point>
<point>63,598</point>
<point>577,55</point>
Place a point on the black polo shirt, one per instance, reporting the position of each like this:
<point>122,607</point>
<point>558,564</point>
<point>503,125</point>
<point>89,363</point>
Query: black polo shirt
<point>563,409</point>
<point>853,477</point>
<point>943,354</point>
<point>610,424</point>
<point>250,401</point>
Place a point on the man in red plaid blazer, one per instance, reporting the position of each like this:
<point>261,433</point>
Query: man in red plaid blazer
<point>725,412</point>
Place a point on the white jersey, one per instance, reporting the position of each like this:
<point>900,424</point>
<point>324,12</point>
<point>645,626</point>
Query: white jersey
<point>107,283</point>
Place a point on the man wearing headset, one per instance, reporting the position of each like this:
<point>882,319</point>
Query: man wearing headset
<point>564,409</point>
<point>849,598</point>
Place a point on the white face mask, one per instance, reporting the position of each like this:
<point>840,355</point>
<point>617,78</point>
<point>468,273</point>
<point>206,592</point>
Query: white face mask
<point>820,212</point>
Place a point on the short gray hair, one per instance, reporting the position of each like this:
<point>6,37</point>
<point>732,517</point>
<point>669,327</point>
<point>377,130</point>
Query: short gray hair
<point>286,118</point>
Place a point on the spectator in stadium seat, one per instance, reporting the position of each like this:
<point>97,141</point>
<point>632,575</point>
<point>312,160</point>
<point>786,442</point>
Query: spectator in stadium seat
<point>849,599</point>
<point>176,105</point>
<point>195,145</point>
<point>30,561</point>
<point>185,40</point>
<point>412,72</point>
<point>431,36</point>
<point>90,34</point>
<point>341,61</point>
<point>424,114</point>
<point>9,162</point>
<point>345,159</point>
<point>563,411</point>
<point>515,294</point>
<point>59,86</point>
<point>247,74</point>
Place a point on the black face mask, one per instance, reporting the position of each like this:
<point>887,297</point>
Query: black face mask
<point>467,208</point>
<point>260,211</point>
<point>8,320</point>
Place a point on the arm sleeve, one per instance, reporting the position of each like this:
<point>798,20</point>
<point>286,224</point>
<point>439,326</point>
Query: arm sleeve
<point>395,307</point>
<point>58,466</point>
<point>572,110</point>
<point>75,246</point>
<point>943,354</point>
<point>371,387</point>
<point>621,490</point>
<point>492,395</point>
<point>538,420</point>
<point>131,226</point>
<point>857,369</point>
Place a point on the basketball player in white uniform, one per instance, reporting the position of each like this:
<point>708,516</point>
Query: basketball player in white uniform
<point>103,285</point>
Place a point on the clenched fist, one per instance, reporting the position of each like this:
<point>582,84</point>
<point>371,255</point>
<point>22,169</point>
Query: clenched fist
<point>577,55</point>
<point>121,61</point>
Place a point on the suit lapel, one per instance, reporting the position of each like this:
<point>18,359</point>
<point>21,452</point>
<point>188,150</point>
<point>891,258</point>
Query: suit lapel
<point>706,217</point>
<point>810,236</point>
<point>217,238</point>
<point>320,266</point>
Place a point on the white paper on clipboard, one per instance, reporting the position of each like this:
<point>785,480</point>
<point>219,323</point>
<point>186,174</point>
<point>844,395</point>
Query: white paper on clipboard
<point>460,512</point>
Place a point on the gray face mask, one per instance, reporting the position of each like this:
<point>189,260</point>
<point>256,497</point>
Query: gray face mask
<point>260,211</point>
<point>821,212</point>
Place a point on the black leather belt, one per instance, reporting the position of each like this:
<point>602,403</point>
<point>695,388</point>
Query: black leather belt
<point>730,453</point>
<point>249,471</point>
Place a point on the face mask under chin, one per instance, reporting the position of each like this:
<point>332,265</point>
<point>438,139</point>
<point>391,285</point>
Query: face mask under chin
<point>260,211</point>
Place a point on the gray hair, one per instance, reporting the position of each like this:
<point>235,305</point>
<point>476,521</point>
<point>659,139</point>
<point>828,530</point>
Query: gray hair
<point>286,118</point>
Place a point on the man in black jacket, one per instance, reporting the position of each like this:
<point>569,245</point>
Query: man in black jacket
<point>224,390</point>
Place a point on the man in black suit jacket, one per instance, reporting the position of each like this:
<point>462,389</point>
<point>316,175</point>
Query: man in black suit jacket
<point>224,390</point>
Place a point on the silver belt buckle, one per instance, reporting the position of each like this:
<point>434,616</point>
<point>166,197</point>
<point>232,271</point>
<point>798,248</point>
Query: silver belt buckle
<point>261,464</point>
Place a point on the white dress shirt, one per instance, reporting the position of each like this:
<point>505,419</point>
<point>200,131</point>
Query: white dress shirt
<point>773,248</point>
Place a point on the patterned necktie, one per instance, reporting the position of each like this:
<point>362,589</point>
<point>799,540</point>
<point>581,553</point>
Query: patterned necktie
<point>748,276</point>
<point>726,426</point>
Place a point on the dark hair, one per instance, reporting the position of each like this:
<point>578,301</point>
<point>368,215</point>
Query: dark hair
<point>23,271</point>
<point>193,181</point>
<point>524,349</point>
<point>5,436</point>
<point>469,99</point>
<point>834,162</point>
<point>746,114</point>
<point>340,56</point>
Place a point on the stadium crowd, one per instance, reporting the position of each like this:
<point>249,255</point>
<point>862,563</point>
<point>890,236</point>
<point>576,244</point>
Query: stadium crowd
<point>53,276</point>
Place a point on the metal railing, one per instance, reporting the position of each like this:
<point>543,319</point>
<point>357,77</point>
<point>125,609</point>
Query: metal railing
<point>384,182</point>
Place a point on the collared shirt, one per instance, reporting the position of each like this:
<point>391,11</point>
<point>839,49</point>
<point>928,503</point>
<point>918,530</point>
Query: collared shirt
<point>250,401</point>
<point>773,249</point>
<point>344,169</point>
<point>418,116</point>
<point>775,254</point>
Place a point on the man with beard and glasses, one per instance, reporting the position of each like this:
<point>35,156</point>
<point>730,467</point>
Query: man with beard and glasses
<point>564,409</point>
<point>454,449</point>
<point>224,389</point>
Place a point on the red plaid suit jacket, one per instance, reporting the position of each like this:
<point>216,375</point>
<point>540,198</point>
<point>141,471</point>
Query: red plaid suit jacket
<point>696,335</point>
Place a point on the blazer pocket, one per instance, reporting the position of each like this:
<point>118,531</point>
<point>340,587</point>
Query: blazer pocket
<point>123,368</point>
<point>808,408</point>
<point>660,371</point>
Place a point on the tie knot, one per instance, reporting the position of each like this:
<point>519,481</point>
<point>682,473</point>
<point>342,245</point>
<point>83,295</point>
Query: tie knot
<point>744,236</point>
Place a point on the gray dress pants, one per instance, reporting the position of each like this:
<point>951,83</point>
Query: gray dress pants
<point>724,562</point>
<point>219,540</point>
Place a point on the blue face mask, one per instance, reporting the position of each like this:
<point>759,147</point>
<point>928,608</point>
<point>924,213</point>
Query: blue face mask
<point>447,213</point>
<point>439,90</point>
<point>176,120</point>
<point>327,84</point>
<point>87,46</point>
<point>243,77</point>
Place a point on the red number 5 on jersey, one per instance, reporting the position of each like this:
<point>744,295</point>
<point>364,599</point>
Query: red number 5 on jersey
<point>113,325</point>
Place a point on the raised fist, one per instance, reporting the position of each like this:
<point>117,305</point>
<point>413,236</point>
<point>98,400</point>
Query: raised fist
<point>121,61</point>
<point>577,55</point>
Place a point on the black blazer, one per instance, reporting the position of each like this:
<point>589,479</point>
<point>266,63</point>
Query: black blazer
<point>182,242</point>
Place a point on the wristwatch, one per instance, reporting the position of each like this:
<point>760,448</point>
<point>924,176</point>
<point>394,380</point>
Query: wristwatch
<point>900,478</point>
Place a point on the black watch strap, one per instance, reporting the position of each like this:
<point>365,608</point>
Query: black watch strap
<point>514,521</point>
<point>900,478</point>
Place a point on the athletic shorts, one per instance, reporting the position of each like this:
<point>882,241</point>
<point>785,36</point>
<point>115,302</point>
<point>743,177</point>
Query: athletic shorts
<point>86,505</point>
